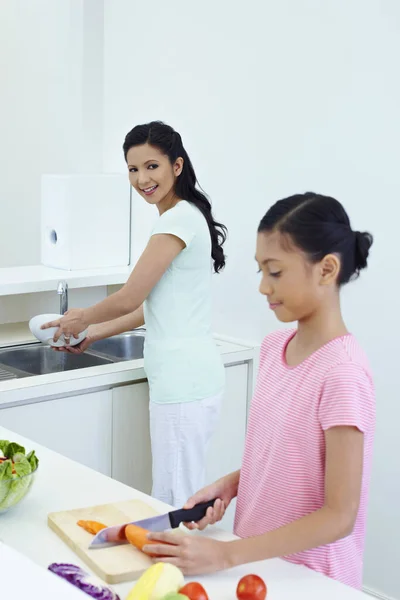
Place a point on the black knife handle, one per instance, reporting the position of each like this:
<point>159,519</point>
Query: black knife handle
<point>186,515</point>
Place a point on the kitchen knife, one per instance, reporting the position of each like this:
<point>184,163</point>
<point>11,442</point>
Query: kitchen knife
<point>116,533</point>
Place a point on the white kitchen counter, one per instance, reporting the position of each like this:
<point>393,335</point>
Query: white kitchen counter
<point>26,580</point>
<point>38,278</point>
<point>79,381</point>
<point>62,484</point>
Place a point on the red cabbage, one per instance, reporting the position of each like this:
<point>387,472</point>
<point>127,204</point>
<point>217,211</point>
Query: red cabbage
<point>82,580</point>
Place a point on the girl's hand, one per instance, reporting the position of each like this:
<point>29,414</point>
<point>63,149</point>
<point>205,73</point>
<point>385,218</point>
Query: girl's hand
<point>193,555</point>
<point>224,490</point>
<point>71,324</point>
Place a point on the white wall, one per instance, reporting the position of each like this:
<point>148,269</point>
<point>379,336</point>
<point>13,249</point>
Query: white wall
<point>50,109</point>
<point>274,98</point>
<point>51,121</point>
<point>21,308</point>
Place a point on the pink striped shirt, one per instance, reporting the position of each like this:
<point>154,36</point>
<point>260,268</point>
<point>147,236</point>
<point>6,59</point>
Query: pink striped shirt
<point>283,469</point>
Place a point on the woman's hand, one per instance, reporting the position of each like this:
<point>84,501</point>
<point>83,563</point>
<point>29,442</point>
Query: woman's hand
<point>84,345</point>
<point>193,555</point>
<point>71,324</point>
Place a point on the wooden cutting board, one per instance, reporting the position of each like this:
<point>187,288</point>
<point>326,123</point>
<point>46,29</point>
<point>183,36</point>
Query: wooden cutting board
<point>113,564</point>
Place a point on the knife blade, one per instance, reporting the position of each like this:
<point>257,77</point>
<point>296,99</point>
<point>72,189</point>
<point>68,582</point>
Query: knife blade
<point>171,520</point>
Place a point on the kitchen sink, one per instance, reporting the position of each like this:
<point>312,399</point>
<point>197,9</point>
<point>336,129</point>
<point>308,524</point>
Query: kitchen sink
<point>125,346</point>
<point>40,360</point>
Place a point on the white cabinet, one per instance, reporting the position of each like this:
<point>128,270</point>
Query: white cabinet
<point>131,452</point>
<point>78,427</point>
<point>227,446</point>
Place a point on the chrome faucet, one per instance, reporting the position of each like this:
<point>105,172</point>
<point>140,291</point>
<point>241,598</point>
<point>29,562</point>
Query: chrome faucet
<point>62,291</point>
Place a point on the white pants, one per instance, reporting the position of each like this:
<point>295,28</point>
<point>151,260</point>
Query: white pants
<point>180,435</point>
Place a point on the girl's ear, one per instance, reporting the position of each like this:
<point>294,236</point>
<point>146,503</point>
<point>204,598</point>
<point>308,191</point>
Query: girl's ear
<point>178,166</point>
<point>329,269</point>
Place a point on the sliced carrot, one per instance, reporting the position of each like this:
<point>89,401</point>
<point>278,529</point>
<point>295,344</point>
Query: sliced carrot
<point>91,526</point>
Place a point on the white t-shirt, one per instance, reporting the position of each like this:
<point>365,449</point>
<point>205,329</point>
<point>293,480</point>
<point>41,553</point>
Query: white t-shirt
<point>182,361</point>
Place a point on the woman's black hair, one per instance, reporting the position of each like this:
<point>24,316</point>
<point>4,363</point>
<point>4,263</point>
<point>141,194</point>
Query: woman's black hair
<point>319,225</point>
<point>168,141</point>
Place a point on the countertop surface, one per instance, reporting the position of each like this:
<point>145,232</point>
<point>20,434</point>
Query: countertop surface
<point>63,484</point>
<point>26,580</point>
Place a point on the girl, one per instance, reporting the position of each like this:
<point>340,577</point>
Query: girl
<point>170,290</point>
<point>303,487</point>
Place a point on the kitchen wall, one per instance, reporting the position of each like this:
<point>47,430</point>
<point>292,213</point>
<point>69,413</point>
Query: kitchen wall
<point>51,121</point>
<point>50,109</point>
<point>274,98</point>
<point>21,308</point>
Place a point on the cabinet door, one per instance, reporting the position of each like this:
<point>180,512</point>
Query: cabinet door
<point>227,445</point>
<point>78,427</point>
<point>131,448</point>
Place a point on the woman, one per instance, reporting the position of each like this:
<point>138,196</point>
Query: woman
<point>170,290</point>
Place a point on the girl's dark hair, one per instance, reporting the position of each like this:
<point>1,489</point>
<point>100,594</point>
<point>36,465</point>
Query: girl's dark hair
<point>168,141</point>
<point>319,225</point>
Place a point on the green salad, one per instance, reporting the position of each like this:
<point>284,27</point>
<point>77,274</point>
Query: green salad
<point>15,468</point>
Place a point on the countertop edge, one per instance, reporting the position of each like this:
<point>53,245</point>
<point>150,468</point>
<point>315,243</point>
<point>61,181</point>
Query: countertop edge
<point>39,278</point>
<point>46,387</point>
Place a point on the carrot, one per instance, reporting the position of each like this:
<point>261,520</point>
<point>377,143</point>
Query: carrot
<point>91,526</point>
<point>137,536</point>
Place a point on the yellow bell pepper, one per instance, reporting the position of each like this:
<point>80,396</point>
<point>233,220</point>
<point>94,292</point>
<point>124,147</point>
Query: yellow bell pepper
<point>156,582</point>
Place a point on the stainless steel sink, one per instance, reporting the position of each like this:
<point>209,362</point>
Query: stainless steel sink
<point>40,360</point>
<point>125,346</point>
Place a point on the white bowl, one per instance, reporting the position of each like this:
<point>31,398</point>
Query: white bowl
<point>46,335</point>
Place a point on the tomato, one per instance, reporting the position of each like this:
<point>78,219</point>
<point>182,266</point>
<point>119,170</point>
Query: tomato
<point>251,587</point>
<point>194,591</point>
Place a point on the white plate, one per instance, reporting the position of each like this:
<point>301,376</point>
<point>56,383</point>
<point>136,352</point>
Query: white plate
<point>46,335</point>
